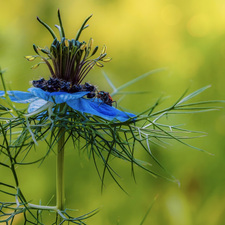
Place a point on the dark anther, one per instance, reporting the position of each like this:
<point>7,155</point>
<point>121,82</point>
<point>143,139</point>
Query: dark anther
<point>54,85</point>
<point>43,87</point>
<point>42,80</point>
<point>37,83</point>
<point>65,86</point>
<point>50,88</point>
<point>49,81</point>
<point>89,87</point>
<point>75,88</point>
<point>91,95</point>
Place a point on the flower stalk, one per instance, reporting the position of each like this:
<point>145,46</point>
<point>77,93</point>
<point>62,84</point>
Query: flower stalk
<point>90,120</point>
<point>60,190</point>
<point>60,171</point>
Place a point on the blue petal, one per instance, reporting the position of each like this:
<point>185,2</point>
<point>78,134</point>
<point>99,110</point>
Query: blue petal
<point>19,96</point>
<point>36,105</point>
<point>57,97</point>
<point>100,109</point>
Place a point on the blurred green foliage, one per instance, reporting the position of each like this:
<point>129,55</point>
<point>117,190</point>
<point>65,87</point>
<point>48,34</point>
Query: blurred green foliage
<point>188,37</point>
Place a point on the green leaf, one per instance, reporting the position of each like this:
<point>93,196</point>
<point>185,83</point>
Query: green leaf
<point>47,27</point>
<point>62,32</point>
<point>142,222</point>
<point>193,94</point>
<point>138,78</point>
<point>109,82</point>
<point>82,28</point>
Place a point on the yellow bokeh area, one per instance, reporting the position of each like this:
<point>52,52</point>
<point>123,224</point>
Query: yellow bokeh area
<point>186,37</point>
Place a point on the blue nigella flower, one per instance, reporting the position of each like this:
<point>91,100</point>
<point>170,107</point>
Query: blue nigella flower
<point>94,106</point>
<point>70,63</point>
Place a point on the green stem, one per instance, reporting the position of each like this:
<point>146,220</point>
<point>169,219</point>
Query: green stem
<point>42,207</point>
<point>60,191</point>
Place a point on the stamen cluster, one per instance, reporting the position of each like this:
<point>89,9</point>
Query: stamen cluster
<point>55,84</point>
<point>70,59</point>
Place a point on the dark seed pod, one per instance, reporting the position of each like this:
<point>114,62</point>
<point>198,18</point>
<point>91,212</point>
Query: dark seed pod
<point>42,80</point>
<point>65,86</point>
<point>54,82</point>
<point>49,82</point>
<point>35,83</point>
<point>57,83</point>
<point>89,87</point>
<point>50,88</point>
<point>75,88</point>
<point>42,86</point>
<point>91,95</point>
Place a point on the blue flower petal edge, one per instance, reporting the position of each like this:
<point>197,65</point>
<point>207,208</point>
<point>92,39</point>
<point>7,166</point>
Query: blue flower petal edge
<point>57,97</point>
<point>19,96</point>
<point>97,108</point>
<point>37,98</point>
<point>36,105</point>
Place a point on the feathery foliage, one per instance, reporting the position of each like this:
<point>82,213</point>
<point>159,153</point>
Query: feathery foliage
<point>100,138</point>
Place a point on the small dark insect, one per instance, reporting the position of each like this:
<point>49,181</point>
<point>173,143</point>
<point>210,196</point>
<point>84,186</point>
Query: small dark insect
<point>105,97</point>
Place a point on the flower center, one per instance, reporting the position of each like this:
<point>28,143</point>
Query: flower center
<point>69,61</point>
<point>55,85</point>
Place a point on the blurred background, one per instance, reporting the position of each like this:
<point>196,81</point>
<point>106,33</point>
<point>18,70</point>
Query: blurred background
<point>187,37</point>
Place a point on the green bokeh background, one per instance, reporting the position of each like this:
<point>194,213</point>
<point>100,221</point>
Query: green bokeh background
<point>188,37</point>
